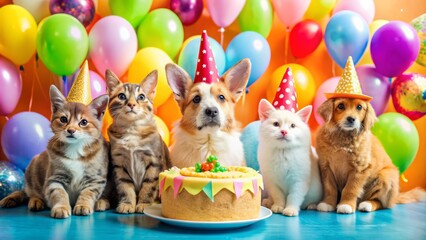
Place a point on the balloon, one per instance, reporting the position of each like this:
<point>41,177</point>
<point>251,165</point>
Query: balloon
<point>364,8</point>
<point>399,137</point>
<point>169,112</point>
<point>131,10</point>
<point>224,12</point>
<point>189,55</point>
<point>11,86</point>
<point>250,45</point>
<point>250,139</point>
<point>257,16</point>
<point>97,84</point>
<point>113,45</point>
<point>25,135</point>
<point>290,12</point>
<point>188,11</point>
<point>147,60</point>
<point>163,130</point>
<point>162,29</point>
<point>18,33</point>
<point>38,8</point>
<point>83,10</point>
<point>419,24</point>
<point>103,8</point>
<point>318,9</point>
<point>394,48</point>
<point>376,24</point>
<point>11,179</point>
<point>305,38</point>
<point>106,122</point>
<point>62,43</point>
<point>376,85</point>
<point>409,95</point>
<point>326,87</point>
<point>303,80</point>
<point>346,35</point>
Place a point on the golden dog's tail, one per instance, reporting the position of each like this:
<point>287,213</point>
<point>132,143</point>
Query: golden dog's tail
<point>414,195</point>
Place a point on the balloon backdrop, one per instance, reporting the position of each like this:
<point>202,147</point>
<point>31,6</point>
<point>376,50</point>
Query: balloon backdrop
<point>305,38</point>
<point>11,179</point>
<point>328,86</point>
<point>257,16</point>
<point>163,130</point>
<point>290,12</point>
<point>250,139</point>
<point>113,45</point>
<point>376,24</point>
<point>394,48</point>
<point>62,43</point>
<point>419,24</point>
<point>131,10</point>
<point>224,12</point>
<point>250,45</point>
<point>83,10</point>
<point>399,137</point>
<point>364,8</point>
<point>25,135</point>
<point>318,9</point>
<point>39,9</point>
<point>11,86</point>
<point>188,11</point>
<point>18,33</point>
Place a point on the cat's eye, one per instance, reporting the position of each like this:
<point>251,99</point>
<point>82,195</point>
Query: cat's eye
<point>122,96</point>
<point>293,125</point>
<point>196,99</point>
<point>341,106</point>
<point>141,97</point>
<point>221,97</point>
<point>359,107</point>
<point>63,119</point>
<point>276,124</point>
<point>83,123</point>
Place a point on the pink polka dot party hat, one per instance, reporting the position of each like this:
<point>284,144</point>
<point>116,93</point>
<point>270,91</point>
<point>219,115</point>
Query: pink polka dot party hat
<point>285,98</point>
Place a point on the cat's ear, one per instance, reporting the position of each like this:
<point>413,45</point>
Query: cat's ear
<point>305,113</point>
<point>265,109</point>
<point>325,110</point>
<point>98,106</point>
<point>149,84</point>
<point>178,80</point>
<point>112,81</point>
<point>236,78</point>
<point>57,99</point>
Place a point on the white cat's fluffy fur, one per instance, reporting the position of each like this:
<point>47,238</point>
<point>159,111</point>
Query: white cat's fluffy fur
<point>287,161</point>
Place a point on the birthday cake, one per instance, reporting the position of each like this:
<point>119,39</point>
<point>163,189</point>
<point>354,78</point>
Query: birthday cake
<point>210,192</point>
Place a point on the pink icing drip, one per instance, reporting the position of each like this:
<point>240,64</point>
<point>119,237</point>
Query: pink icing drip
<point>163,181</point>
<point>238,187</point>
<point>177,182</point>
<point>255,186</point>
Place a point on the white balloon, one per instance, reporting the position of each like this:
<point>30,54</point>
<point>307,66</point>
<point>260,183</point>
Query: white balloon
<point>38,8</point>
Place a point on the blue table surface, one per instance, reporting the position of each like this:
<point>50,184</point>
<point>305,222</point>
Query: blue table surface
<point>402,222</point>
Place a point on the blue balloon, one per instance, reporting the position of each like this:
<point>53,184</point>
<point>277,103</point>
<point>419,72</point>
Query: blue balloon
<point>250,139</point>
<point>25,135</point>
<point>250,45</point>
<point>346,35</point>
<point>189,55</point>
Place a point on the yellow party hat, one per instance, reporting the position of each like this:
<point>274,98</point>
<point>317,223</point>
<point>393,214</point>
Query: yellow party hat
<point>80,90</point>
<point>348,86</point>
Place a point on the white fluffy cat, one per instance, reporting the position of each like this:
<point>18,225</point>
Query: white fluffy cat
<point>288,163</point>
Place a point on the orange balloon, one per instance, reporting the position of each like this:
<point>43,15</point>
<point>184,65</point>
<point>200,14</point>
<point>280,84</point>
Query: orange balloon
<point>169,112</point>
<point>303,80</point>
<point>103,8</point>
<point>163,130</point>
<point>106,122</point>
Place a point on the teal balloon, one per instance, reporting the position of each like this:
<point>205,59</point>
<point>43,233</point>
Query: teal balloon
<point>189,55</point>
<point>257,16</point>
<point>250,139</point>
<point>399,137</point>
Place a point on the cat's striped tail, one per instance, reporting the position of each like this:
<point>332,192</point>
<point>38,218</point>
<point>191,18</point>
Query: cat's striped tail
<point>414,195</point>
<point>14,199</point>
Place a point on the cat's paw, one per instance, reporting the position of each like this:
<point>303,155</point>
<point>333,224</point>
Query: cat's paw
<point>312,206</point>
<point>267,202</point>
<point>102,205</point>
<point>325,207</point>
<point>291,212</point>
<point>365,206</point>
<point>125,208</point>
<point>344,208</point>
<point>61,212</point>
<point>36,204</point>
<point>8,202</point>
<point>141,206</point>
<point>277,208</point>
<point>82,210</point>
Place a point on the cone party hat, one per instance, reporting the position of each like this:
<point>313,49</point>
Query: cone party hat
<point>285,98</point>
<point>80,90</point>
<point>348,86</point>
<point>206,66</point>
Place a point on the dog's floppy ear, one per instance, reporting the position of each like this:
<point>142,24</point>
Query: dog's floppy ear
<point>265,108</point>
<point>236,78</point>
<point>178,80</point>
<point>325,110</point>
<point>370,117</point>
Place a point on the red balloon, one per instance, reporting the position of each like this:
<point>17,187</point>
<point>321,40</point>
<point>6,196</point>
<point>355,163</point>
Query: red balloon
<point>305,38</point>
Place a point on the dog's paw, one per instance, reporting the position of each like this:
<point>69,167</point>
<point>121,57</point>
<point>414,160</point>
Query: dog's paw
<point>365,206</point>
<point>267,202</point>
<point>61,212</point>
<point>277,208</point>
<point>312,206</point>
<point>125,208</point>
<point>82,210</point>
<point>141,206</point>
<point>344,208</point>
<point>325,207</point>
<point>291,212</point>
<point>102,205</point>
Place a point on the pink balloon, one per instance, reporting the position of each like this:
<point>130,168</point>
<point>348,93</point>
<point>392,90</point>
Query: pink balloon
<point>328,86</point>
<point>365,8</point>
<point>10,86</point>
<point>113,45</point>
<point>290,12</point>
<point>224,12</point>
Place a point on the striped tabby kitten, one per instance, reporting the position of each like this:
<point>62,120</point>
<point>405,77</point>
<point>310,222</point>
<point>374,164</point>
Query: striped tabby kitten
<point>72,170</point>
<point>137,149</point>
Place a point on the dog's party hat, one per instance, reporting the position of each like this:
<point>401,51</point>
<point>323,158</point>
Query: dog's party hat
<point>206,66</point>
<point>285,98</point>
<point>348,86</point>
<point>80,90</point>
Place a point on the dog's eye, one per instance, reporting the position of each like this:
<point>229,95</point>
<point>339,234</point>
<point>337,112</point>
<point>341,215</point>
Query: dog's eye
<point>141,97</point>
<point>276,124</point>
<point>359,107</point>
<point>122,96</point>
<point>221,97</point>
<point>83,123</point>
<point>341,106</point>
<point>196,99</point>
<point>63,119</point>
<point>293,125</point>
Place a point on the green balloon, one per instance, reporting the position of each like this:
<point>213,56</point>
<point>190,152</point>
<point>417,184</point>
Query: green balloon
<point>62,43</point>
<point>162,29</point>
<point>399,137</point>
<point>131,10</point>
<point>257,15</point>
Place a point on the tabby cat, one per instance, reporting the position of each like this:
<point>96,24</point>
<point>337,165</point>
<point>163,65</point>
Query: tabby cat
<point>72,170</point>
<point>137,150</point>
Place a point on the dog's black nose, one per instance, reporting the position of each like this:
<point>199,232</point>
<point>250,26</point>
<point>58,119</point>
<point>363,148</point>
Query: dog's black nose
<point>350,119</point>
<point>211,111</point>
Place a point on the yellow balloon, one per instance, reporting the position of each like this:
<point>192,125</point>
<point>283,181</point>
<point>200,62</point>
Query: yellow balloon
<point>147,60</point>
<point>303,82</point>
<point>366,58</point>
<point>18,31</point>
<point>163,130</point>
<point>318,9</point>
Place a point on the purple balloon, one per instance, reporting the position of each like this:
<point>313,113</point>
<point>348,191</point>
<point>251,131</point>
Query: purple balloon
<point>10,86</point>
<point>376,85</point>
<point>25,135</point>
<point>187,10</point>
<point>83,10</point>
<point>394,48</point>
